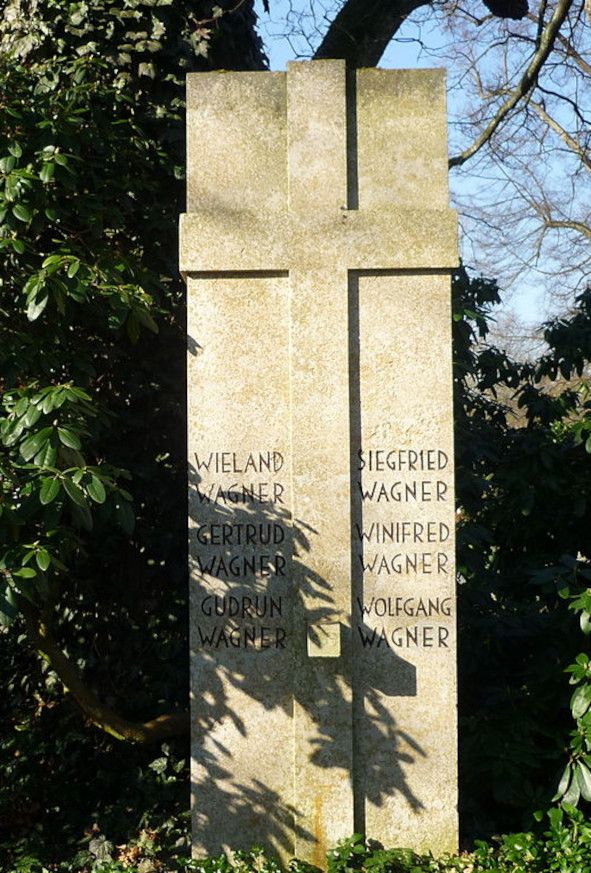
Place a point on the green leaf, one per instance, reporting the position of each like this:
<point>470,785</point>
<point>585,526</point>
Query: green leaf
<point>563,784</point>
<point>12,434</point>
<point>73,268</point>
<point>96,490</point>
<point>8,608</point>
<point>573,793</point>
<point>25,573</point>
<point>43,559</point>
<point>580,701</point>
<point>7,164</point>
<point>19,246</point>
<point>15,149</point>
<point>76,394</point>
<point>159,765</point>
<point>60,159</point>
<point>34,443</point>
<point>75,493</point>
<point>50,260</point>
<point>584,780</point>
<point>46,457</point>
<point>10,189</point>
<point>60,398</point>
<point>48,402</point>
<point>585,622</point>
<point>68,438</point>
<point>145,319</point>
<point>22,406</point>
<point>21,212</point>
<point>36,307</point>
<point>588,444</point>
<point>49,490</point>
<point>47,171</point>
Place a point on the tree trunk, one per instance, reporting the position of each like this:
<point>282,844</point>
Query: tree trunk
<point>362,30</point>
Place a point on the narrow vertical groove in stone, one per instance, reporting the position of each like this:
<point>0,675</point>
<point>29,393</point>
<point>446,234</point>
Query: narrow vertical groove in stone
<point>352,163</point>
<point>297,648</point>
<point>357,696</point>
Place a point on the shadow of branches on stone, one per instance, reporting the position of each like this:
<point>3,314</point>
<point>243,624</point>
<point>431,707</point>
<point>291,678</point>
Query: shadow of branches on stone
<point>251,676</point>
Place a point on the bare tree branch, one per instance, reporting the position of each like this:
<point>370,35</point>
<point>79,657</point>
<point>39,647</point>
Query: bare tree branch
<point>569,225</point>
<point>571,52</point>
<point>525,85</point>
<point>564,135</point>
<point>565,99</point>
<point>143,733</point>
<point>362,30</point>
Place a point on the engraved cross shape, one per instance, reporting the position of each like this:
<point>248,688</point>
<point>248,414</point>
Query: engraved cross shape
<point>317,230</point>
<point>293,187</point>
<point>280,206</point>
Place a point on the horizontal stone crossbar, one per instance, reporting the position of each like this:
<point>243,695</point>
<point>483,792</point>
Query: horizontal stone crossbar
<point>227,241</point>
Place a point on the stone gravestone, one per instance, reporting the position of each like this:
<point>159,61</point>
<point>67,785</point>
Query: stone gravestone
<point>317,248</point>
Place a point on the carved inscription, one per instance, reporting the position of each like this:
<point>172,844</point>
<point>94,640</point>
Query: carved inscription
<point>406,564</point>
<point>240,556</point>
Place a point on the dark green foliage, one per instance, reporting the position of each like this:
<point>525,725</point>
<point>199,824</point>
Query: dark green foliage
<point>147,45</point>
<point>562,845</point>
<point>92,458</point>
<point>523,498</point>
<point>92,447</point>
<point>80,287</point>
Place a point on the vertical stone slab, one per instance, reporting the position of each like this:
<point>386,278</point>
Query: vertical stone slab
<point>236,141</point>
<point>317,248</point>
<point>402,139</point>
<point>404,603</point>
<point>239,498</point>
<point>317,162</point>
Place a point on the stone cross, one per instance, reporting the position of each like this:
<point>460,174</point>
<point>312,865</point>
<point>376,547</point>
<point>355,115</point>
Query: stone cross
<point>317,248</point>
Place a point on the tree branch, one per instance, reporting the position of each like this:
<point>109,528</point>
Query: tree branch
<point>569,225</point>
<point>362,30</point>
<point>571,52</point>
<point>569,49</point>
<point>565,99</point>
<point>526,83</point>
<point>564,135</point>
<point>143,733</point>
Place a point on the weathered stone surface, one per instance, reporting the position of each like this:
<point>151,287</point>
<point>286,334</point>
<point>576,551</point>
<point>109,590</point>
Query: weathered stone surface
<point>317,247</point>
<point>404,581</point>
<point>385,239</point>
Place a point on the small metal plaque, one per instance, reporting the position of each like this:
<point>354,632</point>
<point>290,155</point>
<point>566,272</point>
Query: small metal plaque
<point>324,639</point>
